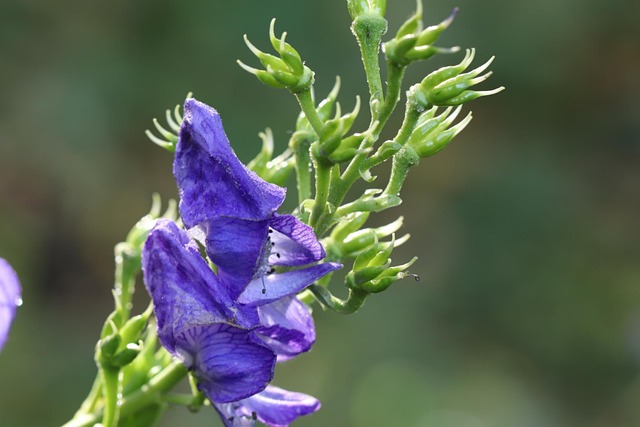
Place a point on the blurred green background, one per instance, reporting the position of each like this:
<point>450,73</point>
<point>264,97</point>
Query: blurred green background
<point>527,226</point>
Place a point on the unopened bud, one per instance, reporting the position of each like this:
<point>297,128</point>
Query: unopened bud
<point>448,86</point>
<point>287,70</point>
<point>412,43</point>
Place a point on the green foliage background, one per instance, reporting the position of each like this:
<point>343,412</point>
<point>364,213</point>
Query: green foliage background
<point>527,225</point>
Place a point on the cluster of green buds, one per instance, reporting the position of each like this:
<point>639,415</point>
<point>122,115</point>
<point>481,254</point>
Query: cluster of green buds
<point>449,86</point>
<point>287,71</point>
<point>432,134</point>
<point>413,43</point>
<point>372,271</point>
<point>119,346</point>
<point>350,241</point>
<point>330,146</point>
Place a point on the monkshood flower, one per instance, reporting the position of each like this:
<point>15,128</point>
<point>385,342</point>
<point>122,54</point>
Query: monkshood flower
<point>230,327</point>
<point>9,298</point>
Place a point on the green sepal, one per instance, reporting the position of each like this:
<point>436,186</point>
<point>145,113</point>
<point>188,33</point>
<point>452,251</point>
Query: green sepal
<point>109,345</point>
<point>125,356</point>
<point>349,224</point>
<point>133,328</point>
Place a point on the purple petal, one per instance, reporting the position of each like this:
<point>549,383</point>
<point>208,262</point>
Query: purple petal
<point>287,327</point>
<point>230,363</point>
<point>235,246</point>
<point>279,408</point>
<point>211,180</point>
<point>272,287</point>
<point>184,290</point>
<point>9,298</point>
<point>294,242</point>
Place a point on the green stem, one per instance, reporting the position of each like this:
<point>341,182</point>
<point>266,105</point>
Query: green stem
<point>323,184</point>
<point>353,303</point>
<point>127,267</point>
<point>111,385</point>
<point>309,109</point>
<point>149,394</point>
<point>395,75</point>
<point>368,29</point>
<point>402,162</point>
<point>300,143</point>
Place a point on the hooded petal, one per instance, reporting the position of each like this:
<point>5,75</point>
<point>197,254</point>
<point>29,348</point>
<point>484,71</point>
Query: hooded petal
<point>9,298</point>
<point>274,407</point>
<point>287,327</point>
<point>236,247</point>
<point>230,363</point>
<point>272,287</point>
<point>211,180</point>
<point>295,243</point>
<point>184,290</point>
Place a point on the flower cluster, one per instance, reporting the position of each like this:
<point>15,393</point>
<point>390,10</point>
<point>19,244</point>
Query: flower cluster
<point>230,316</point>
<point>9,298</point>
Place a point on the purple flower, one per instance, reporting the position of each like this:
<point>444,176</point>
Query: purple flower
<point>9,298</point>
<point>274,406</point>
<point>230,327</point>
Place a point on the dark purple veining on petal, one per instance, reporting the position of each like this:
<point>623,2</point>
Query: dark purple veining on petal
<point>230,363</point>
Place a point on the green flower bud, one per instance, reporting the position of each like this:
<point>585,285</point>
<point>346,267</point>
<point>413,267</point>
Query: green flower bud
<point>447,86</point>
<point>108,346</point>
<point>287,70</point>
<point>330,138</point>
<point>125,356</point>
<point>132,330</point>
<point>372,272</point>
<point>279,169</point>
<point>348,149</point>
<point>360,241</point>
<point>362,7</point>
<point>412,43</point>
<point>348,225</point>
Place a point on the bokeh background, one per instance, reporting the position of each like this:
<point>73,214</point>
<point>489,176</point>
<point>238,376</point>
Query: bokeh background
<point>527,226</point>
